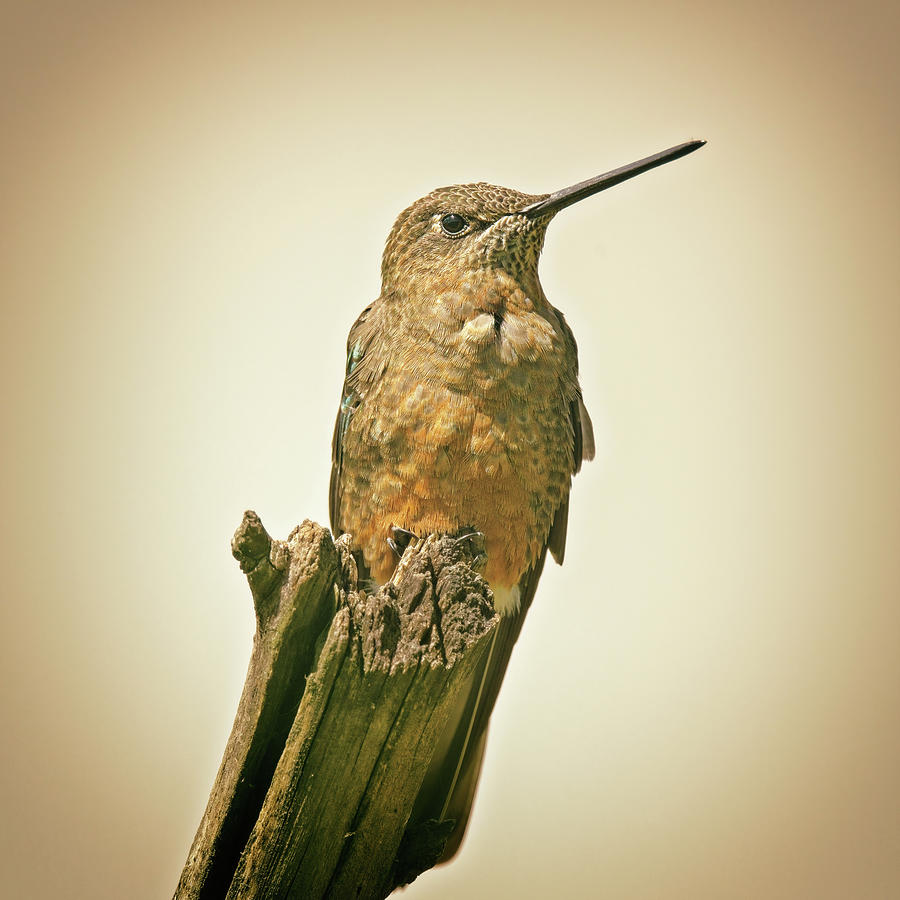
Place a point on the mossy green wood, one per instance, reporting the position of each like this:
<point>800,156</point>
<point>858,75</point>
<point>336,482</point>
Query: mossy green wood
<point>293,593</point>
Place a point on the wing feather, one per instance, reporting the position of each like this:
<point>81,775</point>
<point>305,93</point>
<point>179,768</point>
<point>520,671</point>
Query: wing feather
<point>351,397</point>
<point>583,433</point>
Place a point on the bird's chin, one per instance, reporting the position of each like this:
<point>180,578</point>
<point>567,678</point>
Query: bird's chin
<point>506,599</point>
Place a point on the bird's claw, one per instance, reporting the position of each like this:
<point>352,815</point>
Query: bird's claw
<point>472,542</point>
<point>400,539</point>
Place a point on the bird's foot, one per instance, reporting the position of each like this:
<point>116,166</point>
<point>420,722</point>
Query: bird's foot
<point>472,542</point>
<point>400,539</point>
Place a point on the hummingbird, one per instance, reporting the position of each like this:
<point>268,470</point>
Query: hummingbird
<point>462,413</point>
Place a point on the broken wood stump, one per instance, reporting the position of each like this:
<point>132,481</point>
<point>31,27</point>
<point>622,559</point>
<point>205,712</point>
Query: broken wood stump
<point>346,695</point>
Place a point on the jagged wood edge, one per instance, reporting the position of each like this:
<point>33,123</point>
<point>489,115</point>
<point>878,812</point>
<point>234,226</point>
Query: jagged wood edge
<point>292,584</point>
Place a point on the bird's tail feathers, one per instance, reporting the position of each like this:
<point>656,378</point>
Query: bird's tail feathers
<point>449,786</point>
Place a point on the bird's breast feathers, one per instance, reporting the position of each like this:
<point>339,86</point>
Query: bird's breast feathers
<point>468,425</point>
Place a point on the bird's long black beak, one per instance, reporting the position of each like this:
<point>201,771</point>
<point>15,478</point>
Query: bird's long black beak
<point>567,196</point>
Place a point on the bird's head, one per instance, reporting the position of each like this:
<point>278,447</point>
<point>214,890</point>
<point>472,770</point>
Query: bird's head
<point>460,230</point>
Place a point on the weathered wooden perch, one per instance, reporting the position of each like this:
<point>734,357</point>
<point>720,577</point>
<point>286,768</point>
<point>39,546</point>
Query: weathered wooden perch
<point>345,698</point>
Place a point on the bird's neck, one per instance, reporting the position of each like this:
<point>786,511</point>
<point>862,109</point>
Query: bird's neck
<point>453,297</point>
<point>474,330</point>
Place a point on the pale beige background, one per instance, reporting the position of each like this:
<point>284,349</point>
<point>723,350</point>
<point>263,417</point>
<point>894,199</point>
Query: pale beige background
<point>706,699</point>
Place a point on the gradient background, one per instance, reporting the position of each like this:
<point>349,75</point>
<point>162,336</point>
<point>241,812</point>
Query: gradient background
<point>705,702</point>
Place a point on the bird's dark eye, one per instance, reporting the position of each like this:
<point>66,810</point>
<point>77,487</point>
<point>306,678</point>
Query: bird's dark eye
<point>453,224</point>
